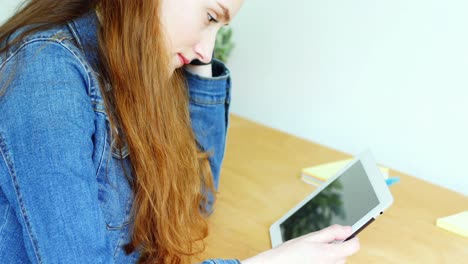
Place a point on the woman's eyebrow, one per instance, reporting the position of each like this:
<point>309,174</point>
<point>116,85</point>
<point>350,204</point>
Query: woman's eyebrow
<point>226,15</point>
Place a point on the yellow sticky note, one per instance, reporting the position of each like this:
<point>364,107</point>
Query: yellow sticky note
<point>325,171</point>
<point>457,223</point>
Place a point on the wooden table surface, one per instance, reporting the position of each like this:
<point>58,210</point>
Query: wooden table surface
<point>260,181</point>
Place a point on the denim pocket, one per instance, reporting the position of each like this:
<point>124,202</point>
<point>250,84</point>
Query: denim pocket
<point>12,248</point>
<point>4,211</point>
<point>115,194</point>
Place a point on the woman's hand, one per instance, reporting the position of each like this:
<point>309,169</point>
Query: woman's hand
<point>201,70</point>
<point>311,248</point>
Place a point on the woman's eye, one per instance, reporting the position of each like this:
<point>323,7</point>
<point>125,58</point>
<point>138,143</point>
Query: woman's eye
<point>211,18</point>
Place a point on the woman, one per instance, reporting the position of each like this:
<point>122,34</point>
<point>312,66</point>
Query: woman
<point>111,143</point>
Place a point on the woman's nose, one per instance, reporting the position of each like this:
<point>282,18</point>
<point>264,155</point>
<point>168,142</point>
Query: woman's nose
<point>204,49</point>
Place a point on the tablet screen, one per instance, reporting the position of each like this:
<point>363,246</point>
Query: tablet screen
<point>346,200</point>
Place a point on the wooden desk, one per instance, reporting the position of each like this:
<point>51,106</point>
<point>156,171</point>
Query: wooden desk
<point>261,181</point>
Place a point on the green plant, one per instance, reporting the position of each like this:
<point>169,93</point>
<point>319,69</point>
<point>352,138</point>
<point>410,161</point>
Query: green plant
<point>223,44</point>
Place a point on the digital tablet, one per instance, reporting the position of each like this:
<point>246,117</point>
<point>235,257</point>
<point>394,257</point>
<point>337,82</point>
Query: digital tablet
<point>354,197</point>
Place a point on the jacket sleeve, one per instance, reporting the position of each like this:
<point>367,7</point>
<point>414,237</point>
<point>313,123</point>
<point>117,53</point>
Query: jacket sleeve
<point>209,112</point>
<point>46,148</point>
<point>221,261</point>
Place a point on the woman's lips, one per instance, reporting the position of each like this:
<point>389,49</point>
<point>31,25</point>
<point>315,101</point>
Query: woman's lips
<point>183,59</point>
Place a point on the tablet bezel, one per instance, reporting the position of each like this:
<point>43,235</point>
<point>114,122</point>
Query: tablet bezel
<point>385,198</point>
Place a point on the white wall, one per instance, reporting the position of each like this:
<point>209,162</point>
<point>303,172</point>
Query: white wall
<point>7,7</point>
<point>389,75</point>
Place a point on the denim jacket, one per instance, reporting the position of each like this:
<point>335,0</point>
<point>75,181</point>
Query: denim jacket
<point>63,195</point>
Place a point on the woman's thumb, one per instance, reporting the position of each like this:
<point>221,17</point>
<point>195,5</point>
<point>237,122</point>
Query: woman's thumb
<point>330,234</point>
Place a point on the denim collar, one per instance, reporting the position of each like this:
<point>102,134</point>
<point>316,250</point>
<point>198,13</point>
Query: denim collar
<point>85,32</point>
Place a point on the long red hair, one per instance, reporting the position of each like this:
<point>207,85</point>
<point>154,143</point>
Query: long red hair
<point>149,104</point>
